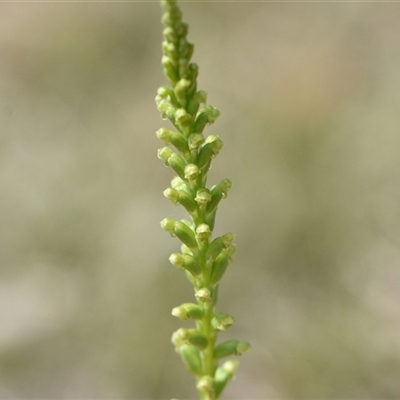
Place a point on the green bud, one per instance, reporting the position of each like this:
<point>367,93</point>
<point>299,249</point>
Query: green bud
<point>171,194</point>
<point>168,224</point>
<point>223,375</point>
<point>185,234</point>
<point>203,295</point>
<point>186,49</point>
<point>215,143</point>
<point>210,220</point>
<point>193,336</point>
<point>218,268</point>
<point>203,196</point>
<point>212,113</point>
<point>188,311</point>
<point>191,172</point>
<point>164,135</point>
<point>214,249</point>
<point>176,138</point>
<point>201,96</point>
<point>177,183</point>
<point>225,186</point>
<point>205,385</point>
<point>187,201</point>
<point>182,118</point>
<point>205,156</point>
<point>191,357</point>
<point>228,239</point>
<point>165,107</point>
<point>193,106</point>
<point>185,249</point>
<point>230,250</point>
<point>216,196</point>
<point>222,321</point>
<point>169,49</point>
<point>187,262</point>
<point>195,140</point>
<point>203,232</point>
<point>177,260</point>
<point>193,71</point>
<point>181,89</point>
<point>206,115</point>
<point>170,70</point>
<point>231,348</point>
<point>164,154</point>
<point>169,34</point>
<point>182,29</point>
<point>165,92</point>
<point>178,164</point>
<point>200,121</point>
<point>180,142</point>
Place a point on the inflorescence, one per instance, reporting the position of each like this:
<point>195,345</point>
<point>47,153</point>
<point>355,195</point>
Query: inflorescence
<point>203,258</point>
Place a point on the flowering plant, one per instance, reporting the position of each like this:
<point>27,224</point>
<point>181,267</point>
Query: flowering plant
<point>203,258</point>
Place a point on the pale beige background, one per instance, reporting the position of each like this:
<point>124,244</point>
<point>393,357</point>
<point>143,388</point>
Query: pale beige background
<point>309,96</point>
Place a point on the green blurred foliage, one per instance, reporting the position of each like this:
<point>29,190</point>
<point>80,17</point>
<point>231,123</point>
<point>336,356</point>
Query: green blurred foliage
<point>308,95</point>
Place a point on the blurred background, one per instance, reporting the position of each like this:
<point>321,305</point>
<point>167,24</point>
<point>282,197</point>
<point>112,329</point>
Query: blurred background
<point>309,96</point>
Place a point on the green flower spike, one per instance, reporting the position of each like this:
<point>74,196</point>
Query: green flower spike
<point>204,259</point>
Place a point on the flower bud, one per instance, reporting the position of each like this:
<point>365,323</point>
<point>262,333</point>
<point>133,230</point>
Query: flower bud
<point>195,140</point>
<point>176,138</point>
<point>191,357</point>
<point>188,311</point>
<point>171,194</point>
<point>186,49</point>
<point>192,106</point>
<point>191,172</point>
<point>164,92</point>
<point>193,336</point>
<point>168,224</point>
<point>187,201</point>
<point>203,295</point>
<point>228,239</point>
<point>203,232</point>
<point>222,321</point>
<point>223,375</point>
<point>182,118</point>
<point>181,89</point>
<point>205,385</point>
<point>200,121</point>
<point>165,107</point>
<point>201,96</point>
<point>187,262</point>
<point>218,268</point>
<point>204,157</point>
<point>203,196</point>
<point>164,135</point>
<point>216,196</point>
<point>207,115</point>
<point>215,143</point>
<point>177,163</point>
<point>231,348</point>
<point>193,71</point>
<point>170,34</point>
<point>178,184</point>
<point>225,186</point>
<point>164,154</point>
<point>214,249</point>
<point>212,113</point>
<point>170,70</point>
<point>185,234</point>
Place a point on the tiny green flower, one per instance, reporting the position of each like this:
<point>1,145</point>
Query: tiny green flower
<point>222,321</point>
<point>188,311</point>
